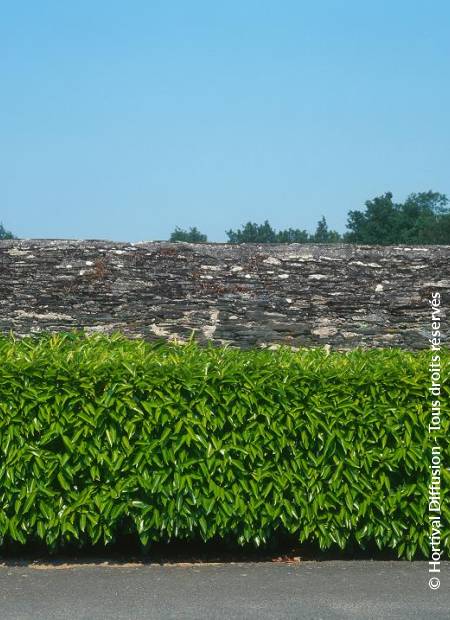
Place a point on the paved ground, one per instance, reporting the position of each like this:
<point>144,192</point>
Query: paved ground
<point>309,590</point>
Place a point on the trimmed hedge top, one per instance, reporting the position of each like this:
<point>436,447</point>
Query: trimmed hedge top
<point>104,436</point>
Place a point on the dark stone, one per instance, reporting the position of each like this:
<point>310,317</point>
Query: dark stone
<point>247,295</point>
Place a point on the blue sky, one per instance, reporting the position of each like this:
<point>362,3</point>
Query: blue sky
<point>120,120</point>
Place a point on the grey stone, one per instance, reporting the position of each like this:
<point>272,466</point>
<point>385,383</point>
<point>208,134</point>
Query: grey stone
<point>338,295</point>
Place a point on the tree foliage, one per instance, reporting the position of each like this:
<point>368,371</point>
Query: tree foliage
<point>5,234</point>
<point>423,219</point>
<point>264,233</point>
<point>193,235</point>
<point>323,235</point>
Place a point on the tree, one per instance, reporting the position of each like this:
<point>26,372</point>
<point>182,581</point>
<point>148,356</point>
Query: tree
<point>252,233</point>
<point>264,233</point>
<point>378,225</point>
<point>5,234</point>
<point>422,218</point>
<point>323,235</point>
<point>193,235</point>
<point>425,218</point>
<point>292,235</point>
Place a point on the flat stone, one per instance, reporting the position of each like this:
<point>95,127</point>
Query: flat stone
<point>242,295</point>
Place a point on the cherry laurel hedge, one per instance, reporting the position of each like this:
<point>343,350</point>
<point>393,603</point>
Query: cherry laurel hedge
<point>102,437</point>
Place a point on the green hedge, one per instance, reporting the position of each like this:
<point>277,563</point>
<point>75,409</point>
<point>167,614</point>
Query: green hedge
<point>103,436</point>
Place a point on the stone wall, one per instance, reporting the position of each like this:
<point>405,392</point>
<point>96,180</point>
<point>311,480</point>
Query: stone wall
<point>249,295</point>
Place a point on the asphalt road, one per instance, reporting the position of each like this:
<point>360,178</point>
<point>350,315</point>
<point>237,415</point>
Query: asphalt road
<point>309,590</point>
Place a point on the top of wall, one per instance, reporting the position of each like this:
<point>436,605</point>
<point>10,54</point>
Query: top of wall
<point>245,295</point>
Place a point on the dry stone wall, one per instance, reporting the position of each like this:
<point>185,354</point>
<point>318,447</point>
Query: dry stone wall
<point>242,295</point>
